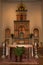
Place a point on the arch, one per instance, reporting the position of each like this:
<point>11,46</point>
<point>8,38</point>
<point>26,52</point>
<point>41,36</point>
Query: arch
<point>35,27</point>
<point>36,31</point>
<point>7,33</point>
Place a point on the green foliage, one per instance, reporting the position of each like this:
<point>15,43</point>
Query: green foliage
<point>19,51</point>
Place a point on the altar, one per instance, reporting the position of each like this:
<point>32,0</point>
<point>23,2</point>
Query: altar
<point>29,48</point>
<point>21,33</point>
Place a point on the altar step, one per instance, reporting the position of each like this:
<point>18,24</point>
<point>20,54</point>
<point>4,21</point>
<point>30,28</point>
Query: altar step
<point>8,62</point>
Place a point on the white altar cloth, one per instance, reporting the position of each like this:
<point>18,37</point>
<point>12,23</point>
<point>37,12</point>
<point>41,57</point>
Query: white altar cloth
<point>21,45</point>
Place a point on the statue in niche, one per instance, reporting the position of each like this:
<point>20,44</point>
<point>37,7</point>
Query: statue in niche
<point>22,29</point>
<point>21,35</point>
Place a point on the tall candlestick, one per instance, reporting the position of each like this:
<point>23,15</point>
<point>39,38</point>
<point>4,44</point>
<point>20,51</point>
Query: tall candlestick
<point>3,56</point>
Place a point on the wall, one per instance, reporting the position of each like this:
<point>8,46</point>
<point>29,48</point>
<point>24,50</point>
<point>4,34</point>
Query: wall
<point>1,38</point>
<point>34,15</point>
<point>42,16</point>
<point>0,19</point>
<point>42,20</point>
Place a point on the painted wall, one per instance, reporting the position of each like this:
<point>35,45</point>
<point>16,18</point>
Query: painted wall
<point>1,38</point>
<point>42,21</point>
<point>0,20</point>
<point>33,14</point>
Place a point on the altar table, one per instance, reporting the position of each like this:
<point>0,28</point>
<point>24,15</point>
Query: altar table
<point>22,45</point>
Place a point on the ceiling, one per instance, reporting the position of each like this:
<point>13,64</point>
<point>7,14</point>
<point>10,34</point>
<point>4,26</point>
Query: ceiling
<point>21,0</point>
